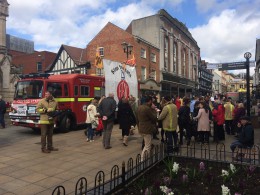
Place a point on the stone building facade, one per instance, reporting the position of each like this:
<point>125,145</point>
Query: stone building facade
<point>179,52</point>
<point>6,79</point>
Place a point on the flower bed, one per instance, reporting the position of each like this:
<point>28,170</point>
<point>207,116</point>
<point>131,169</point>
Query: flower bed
<point>191,176</point>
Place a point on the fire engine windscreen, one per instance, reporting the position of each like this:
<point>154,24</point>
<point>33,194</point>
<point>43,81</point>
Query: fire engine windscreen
<point>29,90</point>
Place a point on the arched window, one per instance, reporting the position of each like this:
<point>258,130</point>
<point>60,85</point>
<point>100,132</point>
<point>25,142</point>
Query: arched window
<point>191,66</point>
<point>174,57</point>
<point>195,69</point>
<point>166,52</point>
<point>183,72</point>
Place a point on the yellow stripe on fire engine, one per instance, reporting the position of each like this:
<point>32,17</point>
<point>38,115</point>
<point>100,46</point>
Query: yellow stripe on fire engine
<point>84,99</point>
<point>65,99</point>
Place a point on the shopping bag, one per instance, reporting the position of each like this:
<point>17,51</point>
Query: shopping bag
<point>100,125</point>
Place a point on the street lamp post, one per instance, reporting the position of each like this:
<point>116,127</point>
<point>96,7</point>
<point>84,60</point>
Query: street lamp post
<point>247,56</point>
<point>127,48</point>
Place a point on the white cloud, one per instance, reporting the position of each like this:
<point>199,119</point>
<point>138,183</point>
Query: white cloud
<point>226,37</point>
<point>75,23</point>
<point>205,6</point>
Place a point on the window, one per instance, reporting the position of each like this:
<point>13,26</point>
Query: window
<point>143,53</point>
<point>84,91</point>
<point>153,57</point>
<point>99,91</point>
<point>100,71</point>
<point>143,73</point>
<point>76,90</point>
<point>39,66</point>
<point>184,63</point>
<point>153,74</point>
<point>101,51</point>
<point>66,90</point>
<point>55,89</point>
<point>166,52</point>
<point>29,89</point>
<point>174,57</point>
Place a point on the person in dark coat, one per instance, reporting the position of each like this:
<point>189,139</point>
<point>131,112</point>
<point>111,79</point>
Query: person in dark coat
<point>184,121</point>
<point>126,119</point>
<point>2,112</point>
<point>238,113</point>
<point>106,109</point>
<point>146,122</point>
<point>246,137</point>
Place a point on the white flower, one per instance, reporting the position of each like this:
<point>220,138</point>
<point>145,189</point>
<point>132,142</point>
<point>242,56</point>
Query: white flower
<point>163,188</point>
<point>224,173</point>
<point>232,168</point>
<point>166,190</point>
<point>175,167</point>
<point>225,190</point>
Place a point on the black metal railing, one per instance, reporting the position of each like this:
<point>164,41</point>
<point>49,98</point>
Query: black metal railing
<point>130,171</point>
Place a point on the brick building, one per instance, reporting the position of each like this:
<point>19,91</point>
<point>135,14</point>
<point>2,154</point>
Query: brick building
<point>109,42</point>
<point>34,62</point>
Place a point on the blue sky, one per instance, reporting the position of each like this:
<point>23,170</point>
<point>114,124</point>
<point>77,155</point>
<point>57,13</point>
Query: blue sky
<point>223,29</point>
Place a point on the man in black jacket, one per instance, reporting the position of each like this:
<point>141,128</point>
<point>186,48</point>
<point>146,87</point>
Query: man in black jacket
<point>184,121</point>
<point>246,138</point>
<point>106,110</point>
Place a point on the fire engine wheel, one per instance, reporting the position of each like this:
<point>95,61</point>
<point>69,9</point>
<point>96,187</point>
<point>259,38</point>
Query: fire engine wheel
<point>66,124</point>
<point>36,130</point>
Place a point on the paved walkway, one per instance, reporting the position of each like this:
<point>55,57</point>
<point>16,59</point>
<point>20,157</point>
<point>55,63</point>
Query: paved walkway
<point>25,170</point>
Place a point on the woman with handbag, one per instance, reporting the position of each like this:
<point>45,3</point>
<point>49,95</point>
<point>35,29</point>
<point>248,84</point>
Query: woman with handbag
<point>91,120</point>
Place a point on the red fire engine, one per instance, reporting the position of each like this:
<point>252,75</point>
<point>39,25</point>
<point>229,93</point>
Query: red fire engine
<point>71,91</point>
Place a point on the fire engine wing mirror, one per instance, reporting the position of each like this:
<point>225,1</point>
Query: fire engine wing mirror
<point>88,65</point>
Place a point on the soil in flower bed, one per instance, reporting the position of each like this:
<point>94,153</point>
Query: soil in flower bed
<point>193,180</point>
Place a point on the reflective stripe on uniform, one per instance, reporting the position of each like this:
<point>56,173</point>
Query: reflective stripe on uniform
<point>171,118</point>
<point>170,112</point>
<point>46,122</point>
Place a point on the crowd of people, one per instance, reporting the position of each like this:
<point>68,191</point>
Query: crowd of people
<point>175,120</point>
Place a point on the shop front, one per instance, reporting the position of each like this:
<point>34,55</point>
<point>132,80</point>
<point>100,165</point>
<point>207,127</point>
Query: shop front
<point>149,87</point>
<point>176,86</point>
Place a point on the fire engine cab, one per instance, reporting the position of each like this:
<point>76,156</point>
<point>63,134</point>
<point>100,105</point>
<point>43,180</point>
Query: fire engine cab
<point>72,92</point>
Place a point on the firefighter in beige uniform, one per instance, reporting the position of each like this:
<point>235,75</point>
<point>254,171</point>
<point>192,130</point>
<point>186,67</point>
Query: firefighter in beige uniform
<point>47,105</point>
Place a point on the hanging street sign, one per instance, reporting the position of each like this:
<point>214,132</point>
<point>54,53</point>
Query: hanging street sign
<point>229,66</point>
<point>232,66</point>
